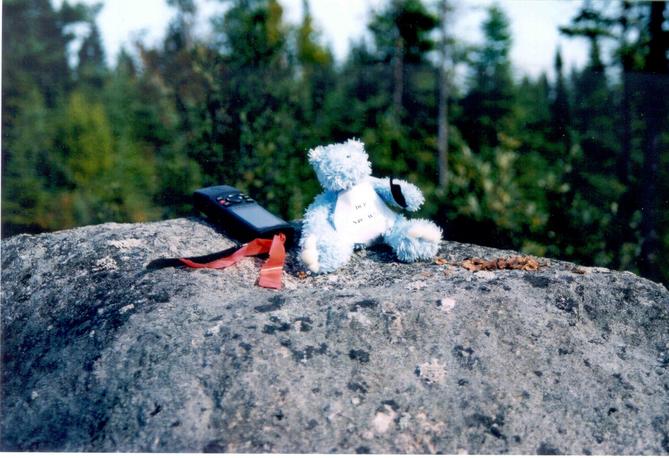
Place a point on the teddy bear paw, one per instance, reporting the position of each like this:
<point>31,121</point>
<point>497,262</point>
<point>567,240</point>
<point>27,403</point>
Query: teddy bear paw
<point>309,254</point>
<point>428,232</point>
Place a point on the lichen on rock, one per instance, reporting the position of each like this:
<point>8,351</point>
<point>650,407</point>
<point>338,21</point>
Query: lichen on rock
<point>99,354</point>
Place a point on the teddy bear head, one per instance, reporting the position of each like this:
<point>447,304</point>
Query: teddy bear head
<point>340,166</point>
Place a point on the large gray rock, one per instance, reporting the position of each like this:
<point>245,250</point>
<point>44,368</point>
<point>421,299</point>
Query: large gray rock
<point>100,355</point>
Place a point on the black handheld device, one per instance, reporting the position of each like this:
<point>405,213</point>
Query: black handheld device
<point>239,215</point>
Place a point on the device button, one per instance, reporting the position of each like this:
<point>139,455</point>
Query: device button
<point>235,198</point>
<point>248,199</point>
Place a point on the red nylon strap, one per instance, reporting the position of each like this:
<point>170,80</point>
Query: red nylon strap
<point>272,269</point>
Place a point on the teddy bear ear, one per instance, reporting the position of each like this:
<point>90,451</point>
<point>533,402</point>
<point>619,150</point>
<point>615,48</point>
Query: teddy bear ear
<point>314,154</point>
<point>356,144</point>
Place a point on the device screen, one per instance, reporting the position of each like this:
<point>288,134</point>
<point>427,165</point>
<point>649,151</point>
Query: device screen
<point>257,216</point>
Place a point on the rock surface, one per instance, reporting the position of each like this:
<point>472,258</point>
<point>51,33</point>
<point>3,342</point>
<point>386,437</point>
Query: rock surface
<point>99,354</point>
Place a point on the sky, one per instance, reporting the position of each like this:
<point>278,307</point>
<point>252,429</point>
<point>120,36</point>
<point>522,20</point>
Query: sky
<point>534,25</point>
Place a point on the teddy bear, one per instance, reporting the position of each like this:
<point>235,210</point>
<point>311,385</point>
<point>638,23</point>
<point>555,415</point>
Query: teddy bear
<point>354,211</point>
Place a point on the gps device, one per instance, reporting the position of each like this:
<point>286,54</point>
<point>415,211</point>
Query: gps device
<point>239,215</point>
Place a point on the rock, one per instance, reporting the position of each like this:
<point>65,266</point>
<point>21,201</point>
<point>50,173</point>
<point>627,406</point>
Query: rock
<point>101,355</point>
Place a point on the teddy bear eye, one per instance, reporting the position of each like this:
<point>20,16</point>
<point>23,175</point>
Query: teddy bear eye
<point>348,156</point>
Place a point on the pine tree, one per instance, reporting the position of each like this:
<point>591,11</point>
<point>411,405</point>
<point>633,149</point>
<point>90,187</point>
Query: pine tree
<point>35,77</point>
<point>488,104</point>
<point>402,35</point>
<point>655,93</point>
<point>444,82</point>
<point>316,69</point>
<point>92,68</point>
<point>560,109</point>
<point>619,167</point>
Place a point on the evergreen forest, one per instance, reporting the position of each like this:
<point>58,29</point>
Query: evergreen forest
<point>575,166</point>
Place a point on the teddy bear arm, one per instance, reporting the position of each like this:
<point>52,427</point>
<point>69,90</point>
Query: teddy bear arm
<point>412,195</point>
<point>322,250</point>
<point>317,216</point>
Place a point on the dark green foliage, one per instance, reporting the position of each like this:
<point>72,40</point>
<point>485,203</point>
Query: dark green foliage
<point>487,106</point>
<point>92,68</point>
<point>404,26</point>
<point>620,126</point>
<point>573,167</point>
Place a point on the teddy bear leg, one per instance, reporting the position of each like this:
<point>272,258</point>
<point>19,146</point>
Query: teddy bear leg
<point>325,254</point>
<point>414,239</point>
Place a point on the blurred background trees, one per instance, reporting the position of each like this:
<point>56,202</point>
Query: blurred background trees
<point>574,167</point>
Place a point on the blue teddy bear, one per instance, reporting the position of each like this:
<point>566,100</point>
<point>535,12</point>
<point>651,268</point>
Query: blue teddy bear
<point>353,212</point>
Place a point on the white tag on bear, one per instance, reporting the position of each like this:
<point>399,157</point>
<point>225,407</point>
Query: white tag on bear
<point>361,215</point>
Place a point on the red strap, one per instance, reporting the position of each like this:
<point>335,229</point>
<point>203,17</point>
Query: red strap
<point>270,273</point>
